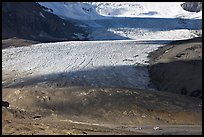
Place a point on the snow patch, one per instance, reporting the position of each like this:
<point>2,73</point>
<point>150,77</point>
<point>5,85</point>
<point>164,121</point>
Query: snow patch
<point>42,15</point>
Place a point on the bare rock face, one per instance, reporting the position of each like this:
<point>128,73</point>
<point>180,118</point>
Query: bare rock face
<point>192,6</point>
<point>29,20</point>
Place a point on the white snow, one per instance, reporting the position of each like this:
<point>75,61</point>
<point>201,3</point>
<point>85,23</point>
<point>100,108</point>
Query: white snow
<point>102,10</point>
<point>143,9</point>
<point>75,10</point>
<point>42,15</point>
<point>140,34</point>
<point>106,63</point>
<point>130,20</point>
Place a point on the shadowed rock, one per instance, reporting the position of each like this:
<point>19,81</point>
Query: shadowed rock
<point>5,104</point>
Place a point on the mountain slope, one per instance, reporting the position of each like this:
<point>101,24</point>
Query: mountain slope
<point>96,87</point>
<point>60,21</point>
<point>29,20</point>
<point>130,20</point>
<point>103,10</point>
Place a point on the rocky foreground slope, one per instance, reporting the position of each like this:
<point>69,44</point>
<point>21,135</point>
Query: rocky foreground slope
<point>103,110</point>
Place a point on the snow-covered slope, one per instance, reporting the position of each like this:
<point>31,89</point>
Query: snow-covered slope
<point>131,20</point>
<point>102,10</point>
<point>143,29</point>
<point>143,9</point>
<point>105,63</point>
<point>74,10</point>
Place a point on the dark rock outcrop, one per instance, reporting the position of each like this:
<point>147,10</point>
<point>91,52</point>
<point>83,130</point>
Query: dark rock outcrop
<point>5,104</point>
<point>192,6</point>
<point>29,20</point>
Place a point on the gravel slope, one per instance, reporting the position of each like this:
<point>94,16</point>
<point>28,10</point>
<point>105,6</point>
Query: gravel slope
<point>99,111</point>
<point>177,67</point>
